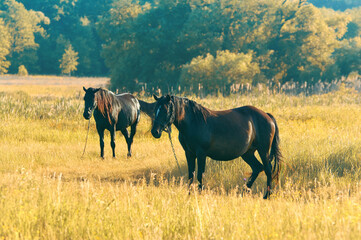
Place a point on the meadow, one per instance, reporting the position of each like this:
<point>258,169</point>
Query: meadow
<point>49,191</point>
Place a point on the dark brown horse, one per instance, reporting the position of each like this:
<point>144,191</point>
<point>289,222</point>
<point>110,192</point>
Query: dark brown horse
<point>221,135</point>
<point>112,112</point>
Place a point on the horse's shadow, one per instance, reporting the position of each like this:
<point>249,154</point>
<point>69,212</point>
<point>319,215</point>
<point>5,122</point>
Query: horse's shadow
<point>151,177</point>
<point>173,177</point>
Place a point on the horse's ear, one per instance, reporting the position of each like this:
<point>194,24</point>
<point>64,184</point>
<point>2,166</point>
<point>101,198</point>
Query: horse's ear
<point>167,98</point>
<point>155,97</point>
<point>84,89</point>
<point>96,90</point>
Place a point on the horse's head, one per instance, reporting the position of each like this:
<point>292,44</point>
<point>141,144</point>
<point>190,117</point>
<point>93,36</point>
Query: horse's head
<point>89,101</point>
<point>164,115</point>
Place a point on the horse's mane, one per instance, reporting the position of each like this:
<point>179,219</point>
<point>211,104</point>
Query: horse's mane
<point>105,103</point>
<point>199,112</point>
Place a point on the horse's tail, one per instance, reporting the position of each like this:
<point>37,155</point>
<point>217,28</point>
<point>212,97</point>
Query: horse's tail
<point>138,114</point>
<point>275,154</point>
<point>147,108</point>
<point>138,110</point>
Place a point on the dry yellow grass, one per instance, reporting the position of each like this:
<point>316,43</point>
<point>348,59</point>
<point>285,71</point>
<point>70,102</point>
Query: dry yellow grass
<point>48,191</point>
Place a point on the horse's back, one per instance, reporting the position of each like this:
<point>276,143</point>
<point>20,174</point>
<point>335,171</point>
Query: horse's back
<point>240,115</point>
<point>234,131</point>
<point>127,99</point>
<point>253,111</point>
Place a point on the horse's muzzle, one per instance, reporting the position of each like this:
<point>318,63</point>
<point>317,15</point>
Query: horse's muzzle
<point>87,115</point>
<point>156,133</point>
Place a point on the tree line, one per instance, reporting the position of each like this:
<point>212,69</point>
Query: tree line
<point>184,44</point>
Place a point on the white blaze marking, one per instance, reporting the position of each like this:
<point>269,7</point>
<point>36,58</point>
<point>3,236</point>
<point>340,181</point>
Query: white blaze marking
<point>156,115</point>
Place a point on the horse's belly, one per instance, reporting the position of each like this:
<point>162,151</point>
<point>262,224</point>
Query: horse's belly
<point>226,154</point>
<point>230,147</point>
<point>124,121</point>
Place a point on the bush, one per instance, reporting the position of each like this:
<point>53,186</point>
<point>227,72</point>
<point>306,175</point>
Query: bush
<point>22,71</point>
<point>219,72</point>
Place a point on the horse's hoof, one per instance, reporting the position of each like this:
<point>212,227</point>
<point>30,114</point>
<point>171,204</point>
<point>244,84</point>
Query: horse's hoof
<point>267,194</point>
<point>192,188</point>
<point>247,189</point>
<point>129,155</point>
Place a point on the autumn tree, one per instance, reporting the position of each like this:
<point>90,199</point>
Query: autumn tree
<point>70,21</point>
<point>220,72</point>
<point>69,61</point>
<point>4,47</point>
<point>23,26</point>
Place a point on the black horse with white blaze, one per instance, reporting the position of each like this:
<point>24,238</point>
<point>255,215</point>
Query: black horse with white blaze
<point>221,135</point>
<point>114,112</point>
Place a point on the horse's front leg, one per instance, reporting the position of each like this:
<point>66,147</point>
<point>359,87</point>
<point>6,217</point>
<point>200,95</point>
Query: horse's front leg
<point>201,161</point>
<point>101,140</point>
<point>191,162</point>
<point>191,159</point>
<point>112,140</point>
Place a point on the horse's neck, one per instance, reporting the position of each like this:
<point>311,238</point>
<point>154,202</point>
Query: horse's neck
<point>187,115</point>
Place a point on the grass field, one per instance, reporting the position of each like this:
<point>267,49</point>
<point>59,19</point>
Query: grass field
<point>48,191</point>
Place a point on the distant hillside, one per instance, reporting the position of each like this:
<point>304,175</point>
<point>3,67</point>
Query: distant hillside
<point>336,4</point>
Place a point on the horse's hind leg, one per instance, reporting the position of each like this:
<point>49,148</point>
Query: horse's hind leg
<point>112,141</point>
<point>126,136</point>
<point>268,170</point>
<point>256,166</point>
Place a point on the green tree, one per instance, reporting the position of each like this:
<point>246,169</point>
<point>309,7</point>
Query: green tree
<point>304,48</point>
<point>166,43</point>
<point>348,57</point>
<point>69,61</point>
<point>121,48</point>
<point>336,4</point>
<point>142,43</point>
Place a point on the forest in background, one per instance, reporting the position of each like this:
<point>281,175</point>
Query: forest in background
<point>188,44</point>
